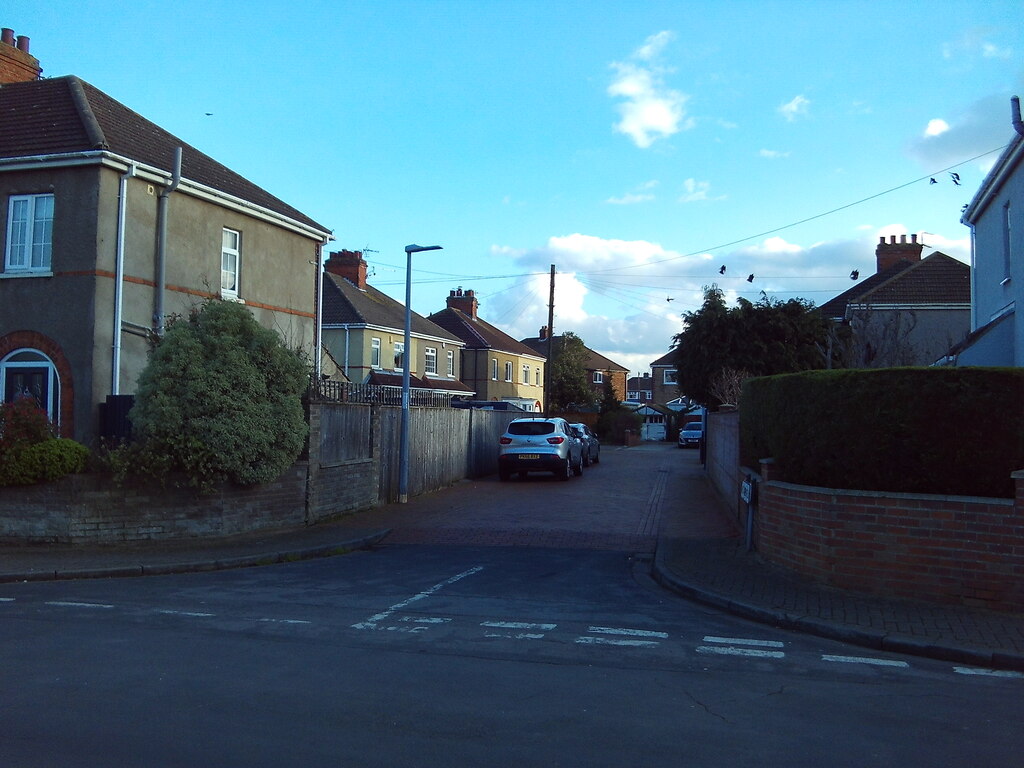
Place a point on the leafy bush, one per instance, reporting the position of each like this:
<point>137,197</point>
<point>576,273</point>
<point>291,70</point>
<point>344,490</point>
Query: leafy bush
<point>23,424</point>
<point>957,431</point>
<point>44,462</point>
<point>220,400</point>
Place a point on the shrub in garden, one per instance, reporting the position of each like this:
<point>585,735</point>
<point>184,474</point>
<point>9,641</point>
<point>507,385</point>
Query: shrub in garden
<point>220,400</point>
<point>29,452</point>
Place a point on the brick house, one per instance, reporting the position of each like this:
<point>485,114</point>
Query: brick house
<point>663,379</point>
<point>364,332</point>
<point>493,364</point>
<point>910,312</point>
<point>112,225</point>
<point>598,367</point>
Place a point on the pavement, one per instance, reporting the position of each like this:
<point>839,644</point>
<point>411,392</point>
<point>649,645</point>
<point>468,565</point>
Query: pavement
<point>696,553</point>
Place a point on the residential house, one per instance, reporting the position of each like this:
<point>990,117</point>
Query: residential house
<point>663,376</point>
<point>598,367</point>
<point>996,219</point>
<point>910,312</point>
<point>113,226</point>
<point>364,332</point>
<point>493,364</point>
<point>640,389</point>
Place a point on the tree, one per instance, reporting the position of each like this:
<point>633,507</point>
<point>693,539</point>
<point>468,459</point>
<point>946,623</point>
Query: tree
<point>570,389</point>
<point>220,399</point>
<point>759,338</point>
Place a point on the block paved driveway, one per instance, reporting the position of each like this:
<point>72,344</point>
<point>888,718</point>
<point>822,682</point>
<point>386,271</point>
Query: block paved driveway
<point>620,503</point>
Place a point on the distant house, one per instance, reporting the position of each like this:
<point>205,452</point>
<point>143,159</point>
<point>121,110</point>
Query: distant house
<point>493,364</point>
<point>910,312</point>
<point>663,374</point>
<point>107,236</point>
<point>364,331</point>
<point>598,367</point>
<point>996,219</point>
<point>640,389</point>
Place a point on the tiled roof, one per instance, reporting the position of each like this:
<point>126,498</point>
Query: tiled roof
<point>344,304</point>
<point>385,378</point>
<point>479,334</point>
<point>935,279</point>
<point>64,114</point>
<point>595,361</point>
<point>667,359</point>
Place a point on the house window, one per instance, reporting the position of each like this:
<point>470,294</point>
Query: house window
<point>28,373</point>
<point>598,377</point>
<point>494,369</point>
<point>669,376</point>
<point>430,365</point>
<point>399,355</point>
<point>508,371</point>
<point>29,233</point>
<point>230,255</point>
<point>451,362</point>
<point>1007,241</point>
<point>536,377</point>
<point>526,374</point>
<point>375,353</point>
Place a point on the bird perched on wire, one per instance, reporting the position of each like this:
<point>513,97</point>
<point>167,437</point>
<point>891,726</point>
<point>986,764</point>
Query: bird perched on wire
<point>750,278</point>
<point>955,177</point>
<point>721,270</point>
<point>855,274</point>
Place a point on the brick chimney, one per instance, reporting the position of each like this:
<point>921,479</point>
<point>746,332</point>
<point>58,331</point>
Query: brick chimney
<point>16,65</point>
<point>350,265</point>
<point>464,302</point>
<point>888,255</point>
<point>543,332</point>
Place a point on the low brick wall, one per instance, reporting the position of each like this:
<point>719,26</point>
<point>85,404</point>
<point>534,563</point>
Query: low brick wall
<point>953,549</point>
<point>87,509</point>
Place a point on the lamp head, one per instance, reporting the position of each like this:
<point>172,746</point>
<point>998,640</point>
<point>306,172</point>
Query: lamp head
<point>417,248</point>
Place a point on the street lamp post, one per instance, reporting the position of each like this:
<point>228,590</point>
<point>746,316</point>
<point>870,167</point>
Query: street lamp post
<point>403,449</point>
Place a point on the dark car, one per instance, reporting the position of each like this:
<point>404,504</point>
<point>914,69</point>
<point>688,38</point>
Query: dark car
<point>540,445</point>
<point>691,434</point>
<point>591,445</point>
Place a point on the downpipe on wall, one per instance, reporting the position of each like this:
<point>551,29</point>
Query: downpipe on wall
<point>161,245</point>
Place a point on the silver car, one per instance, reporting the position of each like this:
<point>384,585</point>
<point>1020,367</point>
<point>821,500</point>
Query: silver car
<point>539,445</point>
<point>591,445</point>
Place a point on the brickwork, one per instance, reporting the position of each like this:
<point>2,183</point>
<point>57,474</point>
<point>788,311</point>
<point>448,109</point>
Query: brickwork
<point>83,509</point>
<point>954,549</point>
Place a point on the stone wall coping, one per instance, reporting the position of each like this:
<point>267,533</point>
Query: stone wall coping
<point>849,492</point>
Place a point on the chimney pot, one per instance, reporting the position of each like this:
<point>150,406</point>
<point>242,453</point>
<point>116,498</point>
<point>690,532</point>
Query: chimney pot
<point>23,43</point>
<point>7,35</point>
<point>892,239</point>
<point>913,238</point>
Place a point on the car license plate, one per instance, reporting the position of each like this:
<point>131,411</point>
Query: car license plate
<point>529,455</point>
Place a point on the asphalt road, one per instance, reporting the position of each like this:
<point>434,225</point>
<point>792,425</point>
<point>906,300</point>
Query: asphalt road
<point>423,653</point>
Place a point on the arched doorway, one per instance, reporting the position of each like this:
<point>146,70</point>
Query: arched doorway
<point>28,373</point>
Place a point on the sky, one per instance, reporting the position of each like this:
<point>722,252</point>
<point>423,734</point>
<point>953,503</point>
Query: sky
<point>637,147</point>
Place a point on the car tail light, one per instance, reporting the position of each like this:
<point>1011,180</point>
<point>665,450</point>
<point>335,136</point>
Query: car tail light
<point>505,440</point>
<point>556,440</point>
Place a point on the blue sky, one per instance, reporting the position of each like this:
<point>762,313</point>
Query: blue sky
<point>637,146</point>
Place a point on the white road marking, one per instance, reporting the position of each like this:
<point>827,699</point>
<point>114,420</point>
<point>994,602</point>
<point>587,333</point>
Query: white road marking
<point>371,623</point>
<point>69,604</point>
<point>627,632</point>
<point>518,636</point>
<point>613,641</point>
<point>516,625</point>
<point>865,660</point>
<point>285,621</point>
<point>6,599</point>
<point>192,614</point>
<point>425,619</point>
<point>987,672</point>
<point>728,650</point>
<point>744,641</point>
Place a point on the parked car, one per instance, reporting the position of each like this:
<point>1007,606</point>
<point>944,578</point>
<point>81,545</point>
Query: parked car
<point>539,445</point>
<point>591,445</point>
<point>691,434</point>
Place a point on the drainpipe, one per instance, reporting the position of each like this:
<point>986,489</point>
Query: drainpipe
<point>1018,126</point>
<point>346,353</point>
<point>161,245</point>
<point>122,207</point>
<point>318,331</point>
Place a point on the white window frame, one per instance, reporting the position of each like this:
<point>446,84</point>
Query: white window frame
<point>598,377</point>
<point>375,352</point>
<point>430,360</point>
<point>494,369</point>
<point>399,356</point>
<point>536,377</point>
<point>35,236</point>
<point>451,362</point>
<point>669,376</point>
<point>508,370</point>
<point>235,254</point>
<point>526,373</point>
<point>52,404</point>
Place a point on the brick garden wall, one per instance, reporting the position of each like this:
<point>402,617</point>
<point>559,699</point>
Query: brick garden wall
<point>953,549</point>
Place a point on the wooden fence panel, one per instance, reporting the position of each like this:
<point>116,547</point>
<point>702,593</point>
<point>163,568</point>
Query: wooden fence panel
<point>345,432</point>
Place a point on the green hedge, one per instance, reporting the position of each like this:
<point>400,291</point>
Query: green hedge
<point>43,462</point>
<point>956,431</point>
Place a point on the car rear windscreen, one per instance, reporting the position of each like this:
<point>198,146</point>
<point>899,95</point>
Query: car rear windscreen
<point>531,428</point>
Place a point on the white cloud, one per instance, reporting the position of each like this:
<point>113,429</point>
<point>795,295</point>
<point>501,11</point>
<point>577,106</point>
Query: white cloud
<point>936,127</point>
<point>641,194</point>
<point>650,110</point>
<point>976,42</point>
<point>979,127</point>
<point>695,191</point>
<point>797,107</point>
<point>772,154</point>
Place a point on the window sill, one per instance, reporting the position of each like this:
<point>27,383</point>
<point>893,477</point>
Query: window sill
<point>23,273</point>
<point>232,297</point>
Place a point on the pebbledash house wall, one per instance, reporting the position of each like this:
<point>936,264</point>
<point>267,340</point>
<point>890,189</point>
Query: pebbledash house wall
<point>352,466</point>
<point>951,549</point>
